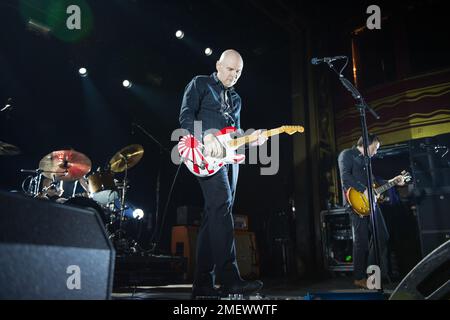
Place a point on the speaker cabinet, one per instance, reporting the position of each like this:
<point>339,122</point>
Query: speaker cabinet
<point>429,169</point>
<point>433,220</point>
<point>247,254</point>
<point>184,241</point>
<point>189,215</point>
<point>52,251</point>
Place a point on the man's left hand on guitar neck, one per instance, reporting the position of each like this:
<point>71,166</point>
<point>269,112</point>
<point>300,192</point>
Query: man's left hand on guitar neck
<point>262,138</point>
<point>400,180</point>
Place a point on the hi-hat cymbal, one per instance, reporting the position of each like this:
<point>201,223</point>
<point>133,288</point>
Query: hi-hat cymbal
<point>65,165</point>
<point>126,158</point>
<point>7,149</point>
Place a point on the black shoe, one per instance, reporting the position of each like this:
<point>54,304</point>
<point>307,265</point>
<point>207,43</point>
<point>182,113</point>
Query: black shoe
<point>205,293</point>
<point>242,287</point>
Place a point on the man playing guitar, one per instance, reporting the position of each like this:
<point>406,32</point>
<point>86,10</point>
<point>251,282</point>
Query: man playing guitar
<point>353,175</point>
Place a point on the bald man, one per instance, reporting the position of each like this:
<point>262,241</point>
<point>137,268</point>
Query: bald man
<point>213,101</point>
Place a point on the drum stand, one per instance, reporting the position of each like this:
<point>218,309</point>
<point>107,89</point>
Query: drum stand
<point>35,182</point>
<point>34,185</point>
<point>124,190</point>
<point>121,243</point>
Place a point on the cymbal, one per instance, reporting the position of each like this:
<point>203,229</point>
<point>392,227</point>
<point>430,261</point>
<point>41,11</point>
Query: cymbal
<point>126,158</point>
<point>7,149</point>
<point>65,165</point>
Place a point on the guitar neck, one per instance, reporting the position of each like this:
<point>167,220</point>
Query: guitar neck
<point>236,143</point>
<point>385,187</point>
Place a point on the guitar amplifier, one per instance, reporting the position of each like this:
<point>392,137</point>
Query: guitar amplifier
<point>337,239</point>
<point>184,243</point>
<point>189,215</point>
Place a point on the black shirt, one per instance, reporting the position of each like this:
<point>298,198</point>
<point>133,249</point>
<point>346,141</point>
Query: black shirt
<point>352,169</point>
<point>206,99</point>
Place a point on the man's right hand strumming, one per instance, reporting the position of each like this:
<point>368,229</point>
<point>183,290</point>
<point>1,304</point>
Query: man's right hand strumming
<point>213,148</point>
<point>375,196</point>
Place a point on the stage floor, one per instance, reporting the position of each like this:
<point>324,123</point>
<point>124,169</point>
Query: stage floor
<point>339,288</point>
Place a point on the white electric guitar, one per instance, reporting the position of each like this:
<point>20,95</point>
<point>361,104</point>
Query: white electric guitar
<point>191,150</point>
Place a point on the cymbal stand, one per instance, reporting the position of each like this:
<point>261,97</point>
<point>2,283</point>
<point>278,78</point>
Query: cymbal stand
<point>118,234</point>
<point>124,190</point>
<point>162,149</point>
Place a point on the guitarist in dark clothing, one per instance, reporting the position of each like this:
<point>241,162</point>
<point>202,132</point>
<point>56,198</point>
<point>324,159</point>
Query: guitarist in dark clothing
<point>353,174</point>
<point>213,101</point>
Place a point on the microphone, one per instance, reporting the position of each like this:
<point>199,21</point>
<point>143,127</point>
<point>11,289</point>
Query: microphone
<point>316,61</point>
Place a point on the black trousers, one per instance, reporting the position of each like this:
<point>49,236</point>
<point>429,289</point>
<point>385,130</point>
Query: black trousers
<point>216,252</point>
<point>363,245</point>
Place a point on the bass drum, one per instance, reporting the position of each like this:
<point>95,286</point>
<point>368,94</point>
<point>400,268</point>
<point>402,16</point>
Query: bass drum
<point>84,202</point>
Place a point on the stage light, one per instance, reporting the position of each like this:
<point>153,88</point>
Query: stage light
<point>38,27</point>
<point>138,214</point>
<point>208,51</point>
<point>126,84</point>
<point>83,72</point>
<point>179,34</point>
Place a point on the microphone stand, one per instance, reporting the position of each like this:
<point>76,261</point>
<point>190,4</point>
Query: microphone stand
<point>362,106</point>
<point>158,177</point>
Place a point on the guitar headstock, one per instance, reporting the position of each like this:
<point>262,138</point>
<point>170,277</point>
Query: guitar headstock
<point>406,176</point>
<point>292,129</point>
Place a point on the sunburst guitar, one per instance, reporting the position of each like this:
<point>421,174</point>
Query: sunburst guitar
<point>192,151</point>
<point>359,202</point>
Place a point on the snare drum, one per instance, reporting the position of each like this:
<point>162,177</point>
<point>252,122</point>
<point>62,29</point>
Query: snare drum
<point>103,188</point>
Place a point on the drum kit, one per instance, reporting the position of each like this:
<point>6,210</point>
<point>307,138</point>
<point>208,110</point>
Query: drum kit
<point>103,190</point>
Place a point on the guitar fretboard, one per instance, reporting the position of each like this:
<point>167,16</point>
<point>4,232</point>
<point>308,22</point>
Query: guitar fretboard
<point>385,187</point>
<point>236,143</point>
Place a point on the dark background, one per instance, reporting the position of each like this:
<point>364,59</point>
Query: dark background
<point>55,108</point>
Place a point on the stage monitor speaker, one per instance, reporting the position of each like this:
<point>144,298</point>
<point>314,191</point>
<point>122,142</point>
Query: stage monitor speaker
<point>52,251</point>
<point>429,279</point>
